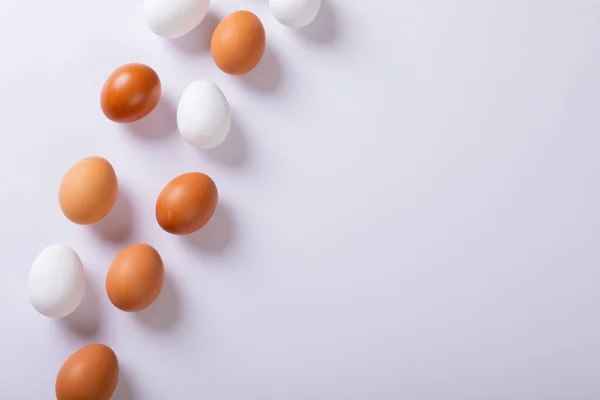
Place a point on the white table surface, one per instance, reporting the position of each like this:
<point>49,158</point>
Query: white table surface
<point>409,203</point>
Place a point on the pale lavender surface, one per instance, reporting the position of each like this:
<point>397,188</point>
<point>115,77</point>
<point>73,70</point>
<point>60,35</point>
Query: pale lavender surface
<point>409,203</point>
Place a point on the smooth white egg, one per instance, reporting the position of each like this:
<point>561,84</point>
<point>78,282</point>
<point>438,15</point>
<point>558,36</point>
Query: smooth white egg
<point>295,13</point>
<point>203,115</point>
<point>174,18</point>
<point>56,281</point>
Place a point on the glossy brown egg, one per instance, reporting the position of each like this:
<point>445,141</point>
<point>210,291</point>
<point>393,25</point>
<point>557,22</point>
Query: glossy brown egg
<point>135,278</point>
<point>130,93</point>
<point>91,373</point>
<point>186,203</point>
<point>88,191</point>
<point>238,43</point>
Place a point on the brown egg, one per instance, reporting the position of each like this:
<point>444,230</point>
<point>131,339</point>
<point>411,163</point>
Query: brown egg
<point>91,373</point>
<point>88,191</point>
<point>130,93</point>
<point>135,278</point>
<point>186,203</point>
<point>238,43</point>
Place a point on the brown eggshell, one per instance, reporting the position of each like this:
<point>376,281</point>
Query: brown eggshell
<point>91,373</point>
<point>238,43</point>
<point>135,278</point>
<point>130,93</point>
<point>186,203</point>
<point>88,191</point>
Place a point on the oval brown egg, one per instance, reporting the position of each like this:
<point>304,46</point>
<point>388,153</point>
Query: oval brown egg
<point>90,373</point>
<point>130,93</point>
<point>88,191</point>
<point>238,43</point>
<point>186,203</point>
<point>135,278</point>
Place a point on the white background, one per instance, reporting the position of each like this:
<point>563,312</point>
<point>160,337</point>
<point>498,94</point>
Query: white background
<point>409,203</point>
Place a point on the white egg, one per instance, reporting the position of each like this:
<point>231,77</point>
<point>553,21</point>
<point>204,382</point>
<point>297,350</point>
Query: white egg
<point>56,281</point>
<point>295,13</point>
<point>174,18</point>
<point>203,115</point>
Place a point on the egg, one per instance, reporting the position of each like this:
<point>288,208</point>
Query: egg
<point>56,284</point>
<point>238,43</point>
<point>130,93</point>
<point>186,203</point>
<point>135,278</point>
<point>91,373</point>
<point>88,191</point>
<point>295,13</point>
<point>203,115</point>
<point>174,18</point>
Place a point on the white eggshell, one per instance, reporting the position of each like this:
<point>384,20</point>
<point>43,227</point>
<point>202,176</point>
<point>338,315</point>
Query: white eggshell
<point>295,13</point>
<point>203,115</point>
<point>174,18</point>
<point>56,281</point>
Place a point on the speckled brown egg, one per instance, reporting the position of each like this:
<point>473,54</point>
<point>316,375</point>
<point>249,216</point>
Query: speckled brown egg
<point>238,43</point>
<point>186,203</point>
<point>88,191</point>
<point>135,278</point>
<point>130,93</point>
<point>91,373</point>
